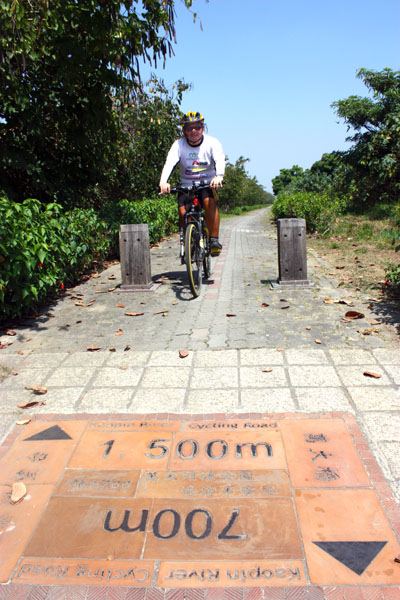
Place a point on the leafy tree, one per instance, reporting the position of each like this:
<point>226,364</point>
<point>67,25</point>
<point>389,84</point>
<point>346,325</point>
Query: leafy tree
<point>240,189</point>
<point>62,65</point>
<point>285,177</point>
<point>373,162</point>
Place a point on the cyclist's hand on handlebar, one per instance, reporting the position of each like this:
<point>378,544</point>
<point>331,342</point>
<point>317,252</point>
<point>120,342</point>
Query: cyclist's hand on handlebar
<point>216,181</point>
<point>165,188</point>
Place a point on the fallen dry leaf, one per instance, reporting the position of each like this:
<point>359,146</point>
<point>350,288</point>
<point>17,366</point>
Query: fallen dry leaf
<point>265,304</point>
<point>160,312</point>
<point>14,372</point>
<point>230,315</point>
<point>284,307</point>
<point>123,368</point>
<point>308,328</point>
<point>329,301</point>
<point>11,332</point>
<point>18,492</point>
<point>20,352</point>
<point>101,292</point>
<point>318,341</point>
<point>267,370</point>
<point>371,374</point>
<point>183,353</point>
<point>175,302</point>
<point>111,289</point>
<point>120,305</point>
<point>81,304</point>
<point>119,332</point>
<point>282,300</point>
<point>280,349</point>
<point>165,314</point>
<point>23,422</point>
<point>353,314</point>
<point>375,322</point>
<point>31,403</point>
<point>127,347</point>
<point>93,348</point>
<point>112,277</point>
<point>112,349</point>
<point>37,389</point>
<point>134,314</point>
<point>367,331</point>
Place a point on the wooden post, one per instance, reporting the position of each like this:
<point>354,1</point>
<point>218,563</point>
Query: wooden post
<point>292,254</point>
<point>134,251</point>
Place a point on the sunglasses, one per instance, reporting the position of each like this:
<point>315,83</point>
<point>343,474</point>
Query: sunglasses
<point>190,127</point>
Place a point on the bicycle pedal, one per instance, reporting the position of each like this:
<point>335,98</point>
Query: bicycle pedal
<point>215,251</point>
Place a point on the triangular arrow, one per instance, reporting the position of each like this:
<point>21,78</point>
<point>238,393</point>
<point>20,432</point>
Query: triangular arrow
<point>357,556</point>
<point>52,433</point>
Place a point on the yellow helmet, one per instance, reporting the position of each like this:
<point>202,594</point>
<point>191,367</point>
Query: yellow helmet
<point>192,117</point>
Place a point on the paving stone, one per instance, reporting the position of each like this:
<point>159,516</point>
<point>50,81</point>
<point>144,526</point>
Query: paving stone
<point>261,356</point>
<point>167,358</point>
<point>89,359</point>
<point>160,377</point>
<point>26,376</point>
<point>308,376</point>
<point>104,400</point>
<point>394,372</point>
<point>129,358</point>
<point>168,400</point>
<point>262,377</point>
<point>206,401</point>
<point>353,375</point>
<point>217,377</point>
<point>70,376</point>
<point>216,358</point>
<point>383,426</point>
<point>41,360</point>
<point>323,399</point>
<point>387,356</point>
<point>355,356</point>
<point>304,356</point>
<point>384,398</point>
<point>117,377</point>
<point>268,400</point>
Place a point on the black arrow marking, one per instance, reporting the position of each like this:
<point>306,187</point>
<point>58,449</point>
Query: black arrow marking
<point>52,433</point>
<point>357,556</point>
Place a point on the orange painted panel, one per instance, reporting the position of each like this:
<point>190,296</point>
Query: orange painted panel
<point>213,484</point>
<point>136,425</point>
<point>120,451</point>
<point>341,531</point>
<point>113,484</point>
<point>17,522</point>
<point>228,450</point>
<point>223,529</point>
<point>320,453</point>
<point>91,528</point>
<point>41,452</point>
<point>228,574</point>
<point>50,571</point>
<point>230,425</point>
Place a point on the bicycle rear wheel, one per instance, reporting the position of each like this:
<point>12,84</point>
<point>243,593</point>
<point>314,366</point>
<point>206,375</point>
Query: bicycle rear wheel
<point>194,262</point>
<point>207,255</point>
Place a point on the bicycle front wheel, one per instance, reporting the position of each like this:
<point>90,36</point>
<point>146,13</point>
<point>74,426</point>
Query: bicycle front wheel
<point>194,260</point>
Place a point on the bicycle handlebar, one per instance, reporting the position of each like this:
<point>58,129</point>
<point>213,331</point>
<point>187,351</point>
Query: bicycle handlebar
<point>193,188</point>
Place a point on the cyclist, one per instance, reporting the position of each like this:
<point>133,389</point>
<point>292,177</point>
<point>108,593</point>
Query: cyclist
<point>201,159</point>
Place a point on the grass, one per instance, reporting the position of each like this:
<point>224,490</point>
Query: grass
<point>359,249</point>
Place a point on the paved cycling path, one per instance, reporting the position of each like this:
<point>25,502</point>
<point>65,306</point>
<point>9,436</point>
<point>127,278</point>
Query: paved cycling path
<point>285,363</point>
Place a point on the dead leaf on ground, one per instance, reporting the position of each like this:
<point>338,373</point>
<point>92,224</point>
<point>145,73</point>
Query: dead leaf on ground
<point>134,314</point>
<point>127,347</point>
<point>347,302</point>
<point>111,289</point>
<point>18,492</point>
<point>112,277</point>
<point>20,352</point>
<point>121,305</point>
<point>23,422</point>
<point>265,304</point>
<point>230,315</point>
<point>165,314</point>
<point>119,332</point>
<point>284,307</point>
<point>112,349</point>
<point>267,370</point>
<point>101,292</point>
<point>14,372</point>
<point>37,389</point>
<point>371,374</point>
<point>31,403</point>
<point>160,312</point>
<point>282,300</point>
<point>123,368</point>
<point>81,304</point>
<point>175,302</point>
<point>280,349</point>
<point>183,353</point>
<point>11,332</point>
<point>93,348</point>
<point>318,341</point>
<point>339,267</point>
<point>367,331</point>
<point>308,328</point>
<point>329,301</point>
<point>375,323</point>
<point>354,314</point>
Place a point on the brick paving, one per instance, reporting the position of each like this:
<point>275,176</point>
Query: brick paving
<point>281,351</point>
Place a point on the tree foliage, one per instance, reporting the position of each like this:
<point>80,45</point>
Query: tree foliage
<point>63,64</point>
<point>240,189</point>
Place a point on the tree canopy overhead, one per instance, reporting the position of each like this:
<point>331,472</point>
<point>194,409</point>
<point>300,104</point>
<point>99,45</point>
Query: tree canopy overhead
<point>63,63</point>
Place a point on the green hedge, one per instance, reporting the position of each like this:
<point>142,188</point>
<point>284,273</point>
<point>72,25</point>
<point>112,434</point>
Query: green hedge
<point>42,249</point>
<point>318,210</point>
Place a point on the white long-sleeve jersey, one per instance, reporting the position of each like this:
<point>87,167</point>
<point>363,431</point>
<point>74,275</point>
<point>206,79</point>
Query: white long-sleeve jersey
<point>196,163</point>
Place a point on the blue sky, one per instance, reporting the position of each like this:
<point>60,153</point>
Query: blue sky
<point>265,72</point>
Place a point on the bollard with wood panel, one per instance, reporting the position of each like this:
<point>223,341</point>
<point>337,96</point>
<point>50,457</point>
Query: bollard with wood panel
<point>292,252</point>
<point>134,248</point>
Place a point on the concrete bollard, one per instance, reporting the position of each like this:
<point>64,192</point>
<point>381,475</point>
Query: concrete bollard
<point>292,252</point>
<point>134,249</point>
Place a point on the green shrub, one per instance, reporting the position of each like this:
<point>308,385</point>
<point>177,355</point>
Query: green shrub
<point>319,211</point>
<point>42,249</point>
<point>159,212</point>
<point>393,274</point>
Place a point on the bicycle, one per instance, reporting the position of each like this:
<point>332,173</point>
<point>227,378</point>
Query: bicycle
<point>196,251</point>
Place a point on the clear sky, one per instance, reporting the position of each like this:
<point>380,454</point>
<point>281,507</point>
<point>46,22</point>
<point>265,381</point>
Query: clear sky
<point>265,72</point>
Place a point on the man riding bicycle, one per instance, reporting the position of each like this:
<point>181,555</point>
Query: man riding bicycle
<point>201,160</point>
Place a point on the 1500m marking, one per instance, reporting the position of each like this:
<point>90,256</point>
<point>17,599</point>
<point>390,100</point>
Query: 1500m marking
<point>175,524</point>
